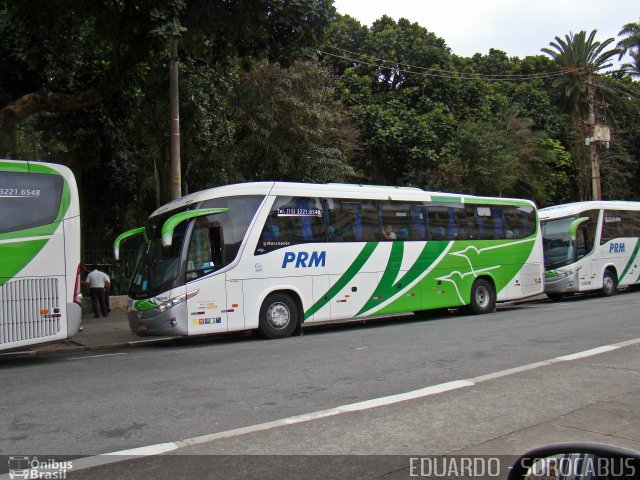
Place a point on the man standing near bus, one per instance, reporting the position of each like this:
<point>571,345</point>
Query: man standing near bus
<point>98,282</point>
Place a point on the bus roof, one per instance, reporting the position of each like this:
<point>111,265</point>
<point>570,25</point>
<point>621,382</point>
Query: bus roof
<point>335,190</point>
<point>568,209</point>
<point>34,166</point>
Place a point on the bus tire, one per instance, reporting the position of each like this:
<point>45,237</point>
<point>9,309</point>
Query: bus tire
<point>555,297</point>
<point>278,316</point>
<point>609,283</point>
<point>483,296</point>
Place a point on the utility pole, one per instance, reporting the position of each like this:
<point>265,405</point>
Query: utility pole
<point>176,177</point>
<point>596,192</point>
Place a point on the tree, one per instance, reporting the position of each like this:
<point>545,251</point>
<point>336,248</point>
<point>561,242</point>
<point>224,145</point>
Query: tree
<point>504,157</point>
<point>288,126</point>
<point>580,58</point>
<point>631,45</point>
<point>65,55</point>
<point>631,31</point>
<point>94,76</point>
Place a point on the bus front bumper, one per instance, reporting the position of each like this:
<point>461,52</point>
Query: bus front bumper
<point>562,282</point>
<point>171,322</point>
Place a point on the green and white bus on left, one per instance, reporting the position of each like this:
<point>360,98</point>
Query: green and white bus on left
<point>273,255</point>
<point>39,254</point>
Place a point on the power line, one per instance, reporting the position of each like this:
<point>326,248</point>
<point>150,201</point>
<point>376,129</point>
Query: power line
<point>434,72</point>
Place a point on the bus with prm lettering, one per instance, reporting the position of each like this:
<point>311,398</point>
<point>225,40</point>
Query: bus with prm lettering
<point>40,299</point>
<point>590,246</point>
<point>274,256</point>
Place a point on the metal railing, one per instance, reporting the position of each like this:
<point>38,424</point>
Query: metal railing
<point>119,271</point>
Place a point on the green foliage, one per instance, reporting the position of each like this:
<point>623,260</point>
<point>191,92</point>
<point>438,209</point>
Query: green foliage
<point>94,75</point>
<point>630,44</point>
<point>289,126</point>
<point>86,83</point>
<point>579,57</point>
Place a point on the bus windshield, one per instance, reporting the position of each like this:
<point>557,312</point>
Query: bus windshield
<point>199,246</point>
<point>559,248</point>
<point>159,267</point>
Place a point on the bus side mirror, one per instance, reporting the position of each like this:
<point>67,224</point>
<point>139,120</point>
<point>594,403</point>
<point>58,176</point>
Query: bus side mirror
<point>573,227</point>
<point>123,236</point>
<point>172,222</point>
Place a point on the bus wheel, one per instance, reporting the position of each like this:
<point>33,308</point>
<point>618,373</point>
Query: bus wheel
<point>483,296</point>
<point>278,316</point>
<point>609,283</point>
<point>555,297</point>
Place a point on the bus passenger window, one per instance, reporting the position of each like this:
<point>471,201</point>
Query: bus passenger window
<point>293,220</point>
<point>350,220</point>
<point>397,221</point>
<point>519,222</point>
<point>620,224</point>
<point>437,221</point>
<point>447,222</point>
<point>487,221</point>
<point>418,222</point>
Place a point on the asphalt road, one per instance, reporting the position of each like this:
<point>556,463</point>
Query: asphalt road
<point>93,403</point>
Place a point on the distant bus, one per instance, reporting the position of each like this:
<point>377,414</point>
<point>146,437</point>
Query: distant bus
<point>590,246</point>
<point>270,256</point>
<point>39,254</point>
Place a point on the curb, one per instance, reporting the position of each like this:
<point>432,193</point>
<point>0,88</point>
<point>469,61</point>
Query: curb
<point>62,348</point>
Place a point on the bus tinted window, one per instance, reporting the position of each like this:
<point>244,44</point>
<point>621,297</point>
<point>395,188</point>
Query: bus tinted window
<point>447,222</point>
<point>293,220</point>
<point>29,199</point>
<point>620,224</point>
<point>486,222</point>
<point>350,220</point>
<point>402,221</point>
<point>234,222</point>
<point>520,222</point>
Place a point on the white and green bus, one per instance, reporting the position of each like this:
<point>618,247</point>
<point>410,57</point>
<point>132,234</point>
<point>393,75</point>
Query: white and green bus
<point>590,246</point>
<point>270,256</point>
<point>39,254</point>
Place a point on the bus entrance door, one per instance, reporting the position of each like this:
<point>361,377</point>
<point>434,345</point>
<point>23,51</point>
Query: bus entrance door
<point>208,309</point>
<point>584,247</point>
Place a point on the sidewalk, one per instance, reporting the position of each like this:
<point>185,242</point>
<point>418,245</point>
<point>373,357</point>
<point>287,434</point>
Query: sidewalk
<point>100,333</point>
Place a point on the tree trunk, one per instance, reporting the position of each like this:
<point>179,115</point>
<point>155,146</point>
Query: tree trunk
<point>35,102</point>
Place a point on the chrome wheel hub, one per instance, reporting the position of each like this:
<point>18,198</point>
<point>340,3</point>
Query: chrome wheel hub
<point>482,296</point>
<point>278,315</point>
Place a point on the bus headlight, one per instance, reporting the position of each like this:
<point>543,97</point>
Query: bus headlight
<point>568,273</point>
<point>176,300</point>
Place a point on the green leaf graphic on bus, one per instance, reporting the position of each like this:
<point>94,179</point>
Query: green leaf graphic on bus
<point>16,255</point>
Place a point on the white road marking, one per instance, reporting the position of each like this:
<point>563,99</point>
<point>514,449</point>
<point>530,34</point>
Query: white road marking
<point>114,457</point>
<point>97,356</point>
<point>587,353</point>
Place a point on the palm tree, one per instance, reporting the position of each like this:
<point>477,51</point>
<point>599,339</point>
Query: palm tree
<point>632,41</point>
<point>631,45</point>
<point>580,59</point>
<point>633,67</point>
